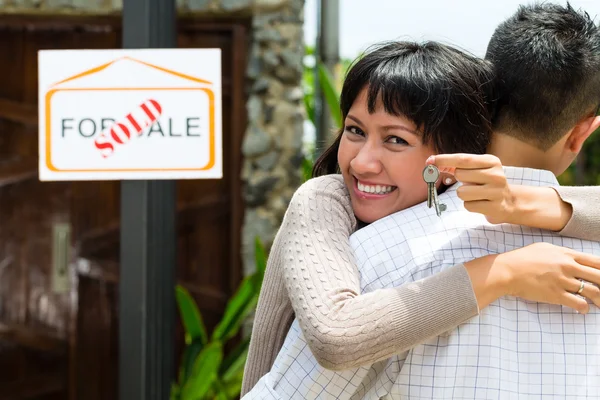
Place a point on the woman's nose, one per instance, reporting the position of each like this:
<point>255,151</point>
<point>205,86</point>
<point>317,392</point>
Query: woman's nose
<point>367,161</point>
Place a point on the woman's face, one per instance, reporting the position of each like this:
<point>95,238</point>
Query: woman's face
<point>382,160</point>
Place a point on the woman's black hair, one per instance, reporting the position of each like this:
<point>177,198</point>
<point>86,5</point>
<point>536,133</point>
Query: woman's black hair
<point>447,93</point>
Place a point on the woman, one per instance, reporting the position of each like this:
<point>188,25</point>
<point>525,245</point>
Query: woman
<point>431,99</point>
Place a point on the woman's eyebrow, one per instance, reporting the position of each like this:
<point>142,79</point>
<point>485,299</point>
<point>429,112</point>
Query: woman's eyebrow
<point>386,127</point>
<point>401,127</point>
<point>353,118</point>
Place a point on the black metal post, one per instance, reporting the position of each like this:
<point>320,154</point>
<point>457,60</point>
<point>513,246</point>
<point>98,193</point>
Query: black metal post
<point>328,54</point>
<point>148,237</point>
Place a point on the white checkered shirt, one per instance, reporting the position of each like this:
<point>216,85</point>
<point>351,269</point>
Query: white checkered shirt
<point>513,349</point>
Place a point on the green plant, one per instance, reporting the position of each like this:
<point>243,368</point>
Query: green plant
<point>307,167</point>
<point>586,170</point>
<point>206,372</point>
<point>331,94</point>
<point>330,91</point>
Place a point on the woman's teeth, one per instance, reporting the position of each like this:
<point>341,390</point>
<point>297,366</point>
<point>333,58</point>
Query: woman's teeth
<point>375,189</point>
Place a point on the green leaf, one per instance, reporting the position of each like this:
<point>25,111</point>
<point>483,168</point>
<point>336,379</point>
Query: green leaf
<point>174,392</point>
<point>204,372</point>
<point>331,95</point>
<point>307,167</point>
<point>235,361</point>
<point>260,255</point>
<point>190,315</point>
<point>187,362</point>
<point>238,308</point>
<point>234,385</point>
<point>220,390</point>
<point>310,108</point>
<point>223,395</point>
<point>244,300</point>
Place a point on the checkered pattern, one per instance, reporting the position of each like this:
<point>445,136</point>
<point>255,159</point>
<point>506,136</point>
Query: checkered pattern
<point>513,349</point>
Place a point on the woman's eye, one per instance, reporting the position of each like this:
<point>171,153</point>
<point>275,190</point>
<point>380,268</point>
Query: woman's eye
<point>355,130</point>
<point>396,140</point>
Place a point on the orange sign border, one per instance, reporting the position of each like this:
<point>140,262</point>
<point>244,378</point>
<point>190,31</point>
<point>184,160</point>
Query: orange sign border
<point>48,117</point>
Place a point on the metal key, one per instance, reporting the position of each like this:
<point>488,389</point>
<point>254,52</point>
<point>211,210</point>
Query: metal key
<point>431,174</point>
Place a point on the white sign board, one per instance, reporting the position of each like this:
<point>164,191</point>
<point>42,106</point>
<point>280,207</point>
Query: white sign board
<point>130,114</point>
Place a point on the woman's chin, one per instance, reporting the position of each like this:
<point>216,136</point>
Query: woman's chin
<point>368,215</point>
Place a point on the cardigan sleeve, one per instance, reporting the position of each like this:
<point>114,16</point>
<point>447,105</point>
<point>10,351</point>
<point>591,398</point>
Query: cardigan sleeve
<point>585,221</point>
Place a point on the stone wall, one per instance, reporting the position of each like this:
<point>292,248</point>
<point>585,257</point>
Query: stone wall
<point>272,145</point>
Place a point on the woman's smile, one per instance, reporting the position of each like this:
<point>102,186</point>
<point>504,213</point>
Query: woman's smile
<point>371,190</point>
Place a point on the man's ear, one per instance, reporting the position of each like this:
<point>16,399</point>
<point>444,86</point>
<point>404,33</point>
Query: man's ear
<point>581,132</point>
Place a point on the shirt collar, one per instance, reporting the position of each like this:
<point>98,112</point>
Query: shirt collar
<point>530,176</point>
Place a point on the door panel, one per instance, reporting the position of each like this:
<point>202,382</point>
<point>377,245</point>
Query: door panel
<point>80,330</point>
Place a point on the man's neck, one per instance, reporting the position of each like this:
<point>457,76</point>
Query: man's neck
<point>516,153</point>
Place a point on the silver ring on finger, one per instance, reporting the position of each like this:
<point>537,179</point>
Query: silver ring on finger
<point>581,287</point>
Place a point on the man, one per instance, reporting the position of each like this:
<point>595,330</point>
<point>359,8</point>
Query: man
<point>548,63</point>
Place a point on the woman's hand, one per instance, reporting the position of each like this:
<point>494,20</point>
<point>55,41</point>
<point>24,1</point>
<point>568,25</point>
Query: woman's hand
<point>485,190</point>
<point>539,272</point>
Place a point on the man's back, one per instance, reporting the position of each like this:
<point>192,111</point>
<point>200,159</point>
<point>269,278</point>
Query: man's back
<point>514,348</point>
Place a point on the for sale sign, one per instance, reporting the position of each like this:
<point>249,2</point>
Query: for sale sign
<point>130,114</point>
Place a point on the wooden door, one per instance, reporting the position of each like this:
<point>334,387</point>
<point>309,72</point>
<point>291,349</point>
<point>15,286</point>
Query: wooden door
<point>80,329</point>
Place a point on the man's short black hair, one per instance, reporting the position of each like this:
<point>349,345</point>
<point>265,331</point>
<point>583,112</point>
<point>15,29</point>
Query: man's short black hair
<point>547,60</point>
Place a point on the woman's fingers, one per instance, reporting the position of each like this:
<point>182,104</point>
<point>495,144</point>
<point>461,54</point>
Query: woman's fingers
<point>587,271</point>
<point>575,302</point>
<point>447,170</point>
<point>479,176</point>
<point>470,192</point>
<point>551,274</point>
<point>587,259</point>
<point>589,291</point>
<point>592,292</point>
<point>464,161</point>
<point>587,274</point>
